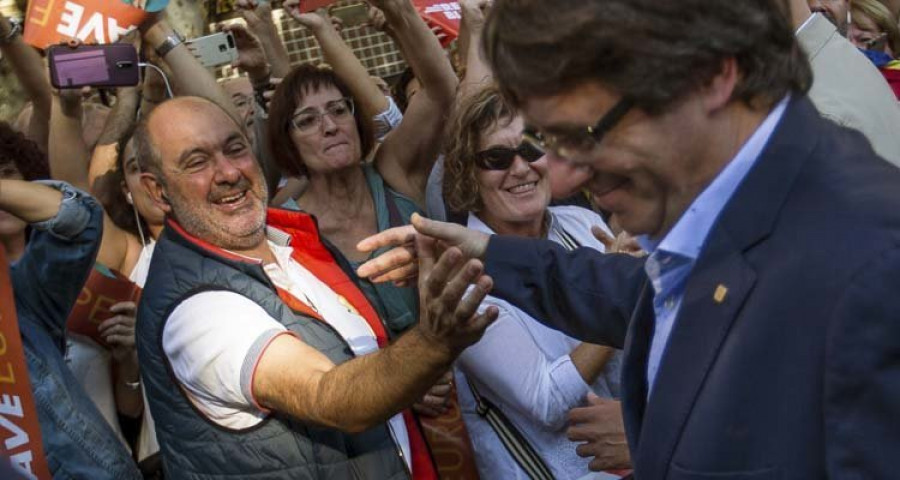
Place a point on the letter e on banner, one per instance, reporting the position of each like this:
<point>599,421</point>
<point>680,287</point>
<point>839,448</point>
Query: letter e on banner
<point>20,433</point>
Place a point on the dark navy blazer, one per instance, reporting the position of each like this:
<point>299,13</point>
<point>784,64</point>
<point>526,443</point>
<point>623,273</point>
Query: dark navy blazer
<point>793,370</point>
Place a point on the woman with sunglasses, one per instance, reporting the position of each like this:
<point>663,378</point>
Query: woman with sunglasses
<point>874,30</point>
<point>531,374</point>
<point>320,127</point>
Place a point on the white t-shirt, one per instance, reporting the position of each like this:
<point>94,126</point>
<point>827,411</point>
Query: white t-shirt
<point>214,341</point>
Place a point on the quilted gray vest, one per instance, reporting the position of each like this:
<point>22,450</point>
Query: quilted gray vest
<point>192,447</point>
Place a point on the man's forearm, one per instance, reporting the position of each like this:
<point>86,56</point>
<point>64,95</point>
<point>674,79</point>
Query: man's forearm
<point>361,393</point>
<point>69,156</point>
<point>31,202</point>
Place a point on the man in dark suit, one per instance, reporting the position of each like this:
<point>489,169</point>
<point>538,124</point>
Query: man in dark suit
<point>761,334</point>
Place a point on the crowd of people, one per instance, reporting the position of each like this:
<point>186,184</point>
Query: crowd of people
<point>597,239</point>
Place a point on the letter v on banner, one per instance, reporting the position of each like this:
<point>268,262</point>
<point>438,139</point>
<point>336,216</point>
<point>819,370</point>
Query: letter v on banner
<point>20,433</point>
<point>49,22</point>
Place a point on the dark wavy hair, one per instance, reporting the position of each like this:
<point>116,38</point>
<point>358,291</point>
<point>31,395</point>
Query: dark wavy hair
<point>474,117</point>
<point>304,80</point>
<point>108,190</point>
<point>22,154</point>
<point>654,51</point>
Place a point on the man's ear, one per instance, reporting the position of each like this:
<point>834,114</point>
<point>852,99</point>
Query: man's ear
<point>718,92</point>
<point>156,191</point>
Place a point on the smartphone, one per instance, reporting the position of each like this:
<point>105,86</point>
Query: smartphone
<point>214,50</point>
<point>351,15</point>
<point>113,65</point>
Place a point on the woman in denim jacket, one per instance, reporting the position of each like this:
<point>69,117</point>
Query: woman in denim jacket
<point>46,282</point>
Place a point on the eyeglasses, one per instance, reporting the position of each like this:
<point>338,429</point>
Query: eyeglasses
<point>875,43</point>
<point>579,140</point>
<point>310,119</point>
<point>501,158</point>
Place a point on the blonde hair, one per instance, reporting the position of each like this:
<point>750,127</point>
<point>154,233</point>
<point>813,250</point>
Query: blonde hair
<point>474,117</point>
<point>882,17</point>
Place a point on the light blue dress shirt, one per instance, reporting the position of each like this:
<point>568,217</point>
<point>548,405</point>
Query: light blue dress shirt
<point>672,259</point>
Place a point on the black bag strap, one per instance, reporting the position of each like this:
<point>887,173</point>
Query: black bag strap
<point>515,443</point>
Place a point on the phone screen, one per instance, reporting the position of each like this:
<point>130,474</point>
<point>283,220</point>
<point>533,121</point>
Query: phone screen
<point>81,68</point>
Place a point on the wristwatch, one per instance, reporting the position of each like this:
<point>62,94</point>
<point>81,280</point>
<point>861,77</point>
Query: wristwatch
<point>173,40</point>
<point>15,29</point>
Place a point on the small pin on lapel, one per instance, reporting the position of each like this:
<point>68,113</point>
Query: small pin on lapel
<point>721,292</point>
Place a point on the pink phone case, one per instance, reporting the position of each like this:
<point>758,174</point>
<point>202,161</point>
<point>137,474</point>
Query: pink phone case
<point>114,65</point>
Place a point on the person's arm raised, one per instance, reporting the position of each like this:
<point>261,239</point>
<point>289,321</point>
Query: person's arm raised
<point>343,61</point>
<point>31,202</point>
<point>407,155</point>
<point>190,77</point>
<point>478,73</point>
<point>258,16</point>
<point>367,390</point>
<point>29,68</point>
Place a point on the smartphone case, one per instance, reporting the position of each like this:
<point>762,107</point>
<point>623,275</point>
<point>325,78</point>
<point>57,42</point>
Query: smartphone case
<point>113,65</point>
<point>214,50</point>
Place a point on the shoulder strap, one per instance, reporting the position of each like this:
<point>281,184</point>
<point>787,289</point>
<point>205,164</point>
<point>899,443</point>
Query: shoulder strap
<point>516,444</point>
<point>567,239</point>
<point>394,217</point>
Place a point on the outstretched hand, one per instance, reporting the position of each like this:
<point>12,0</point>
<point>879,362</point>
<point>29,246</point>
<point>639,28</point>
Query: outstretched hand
<point>399,264</point>
<point>451,288</point>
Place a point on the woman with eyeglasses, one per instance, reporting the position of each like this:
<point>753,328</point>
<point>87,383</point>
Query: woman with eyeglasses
<point>319,127</point>
<point>531,374</point>
<point>874,30</point>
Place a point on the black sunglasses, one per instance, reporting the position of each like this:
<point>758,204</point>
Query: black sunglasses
<point>501,158</point>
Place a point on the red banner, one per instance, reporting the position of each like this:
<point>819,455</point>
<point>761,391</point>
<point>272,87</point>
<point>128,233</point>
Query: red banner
<point>20,433</point>
<point>441,15</point>
<point>103,289</point>
<point>92,21</point>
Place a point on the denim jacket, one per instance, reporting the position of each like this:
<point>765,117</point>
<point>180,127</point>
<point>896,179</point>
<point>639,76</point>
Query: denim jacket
<point>46,283</point>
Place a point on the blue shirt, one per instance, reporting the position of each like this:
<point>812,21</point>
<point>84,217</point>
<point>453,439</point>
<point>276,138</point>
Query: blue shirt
<point>672,259</point>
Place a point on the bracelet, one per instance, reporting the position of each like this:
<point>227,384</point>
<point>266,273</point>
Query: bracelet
<point>173,40</point>
<point>133,385</point>
<point>15,29</point>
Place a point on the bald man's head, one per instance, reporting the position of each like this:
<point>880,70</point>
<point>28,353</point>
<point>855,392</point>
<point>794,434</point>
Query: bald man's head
<point>170,116</point>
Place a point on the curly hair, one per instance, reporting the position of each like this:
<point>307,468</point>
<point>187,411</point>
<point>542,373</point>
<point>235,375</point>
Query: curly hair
<point>19,152</point>
<point>305,80</point>
<point>474,117</point>
<point>656,52</point>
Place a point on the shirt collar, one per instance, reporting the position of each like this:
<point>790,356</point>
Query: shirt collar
<point>689,234</point>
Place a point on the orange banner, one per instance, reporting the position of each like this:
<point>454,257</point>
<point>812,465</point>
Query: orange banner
<point>20,433</point>
<point>443,15</point>
<point>92,21</point>
<point>102,290</point>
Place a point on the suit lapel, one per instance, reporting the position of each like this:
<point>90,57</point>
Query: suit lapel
<point>634,368</point>
<point>716,291</point>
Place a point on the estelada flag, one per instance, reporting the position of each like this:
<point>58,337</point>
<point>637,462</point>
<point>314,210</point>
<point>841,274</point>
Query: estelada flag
<point>443,14</point>
<point>104,288</point>
<point>50,22</point>
<point>20,433</point>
